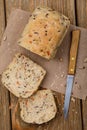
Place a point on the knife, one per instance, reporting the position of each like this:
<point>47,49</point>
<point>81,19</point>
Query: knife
<point>71,69</point>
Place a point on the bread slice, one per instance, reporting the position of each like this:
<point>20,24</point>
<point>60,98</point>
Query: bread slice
<point>44,32</point>
<point>23,76</point>
<point>39,108</point>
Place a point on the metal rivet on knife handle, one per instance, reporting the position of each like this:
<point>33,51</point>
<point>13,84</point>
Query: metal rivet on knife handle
<point>73,51</point>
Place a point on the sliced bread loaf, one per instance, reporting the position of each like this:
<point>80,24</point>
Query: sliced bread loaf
<point>23,76</point>
<point>44,32</point>
<point>39,108</point>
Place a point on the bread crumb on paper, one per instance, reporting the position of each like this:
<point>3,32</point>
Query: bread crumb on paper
<point>5,37</point>
<point>85,60</point>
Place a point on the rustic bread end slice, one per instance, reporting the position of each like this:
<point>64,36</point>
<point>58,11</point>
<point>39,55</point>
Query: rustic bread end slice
<point>39,108</point>
<point>23,76</point>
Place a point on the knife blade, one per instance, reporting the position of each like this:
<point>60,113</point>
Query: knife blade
<point>71,69</point>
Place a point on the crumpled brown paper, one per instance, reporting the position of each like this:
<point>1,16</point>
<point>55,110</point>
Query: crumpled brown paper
<point>56,68</point>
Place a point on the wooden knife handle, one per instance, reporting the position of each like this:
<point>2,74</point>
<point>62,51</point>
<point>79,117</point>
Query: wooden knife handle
<point>73,51</point>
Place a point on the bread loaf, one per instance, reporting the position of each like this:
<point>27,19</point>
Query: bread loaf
<point>44,32</point>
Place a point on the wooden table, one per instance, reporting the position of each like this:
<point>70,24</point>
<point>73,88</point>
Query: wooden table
<point>76,10</point>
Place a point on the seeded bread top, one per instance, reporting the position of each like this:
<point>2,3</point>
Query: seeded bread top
<point>23,76</point>
<point>44,32</point>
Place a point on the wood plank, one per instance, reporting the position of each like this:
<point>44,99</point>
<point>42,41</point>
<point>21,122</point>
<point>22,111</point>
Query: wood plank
<point>84,114</point>
<point>2,19</point>
<point>68,8</point>
<point>81,6</point>
<point>4,95</point>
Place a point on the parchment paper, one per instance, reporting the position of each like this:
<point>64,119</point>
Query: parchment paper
<point>56,68</point>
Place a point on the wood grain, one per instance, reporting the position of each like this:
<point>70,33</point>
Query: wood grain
<point>73,51</point>
<point>84,114</point>
<point>2,19</point>
<point>66,7</point>
<point>4,95</point>
<point>81,6</point>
